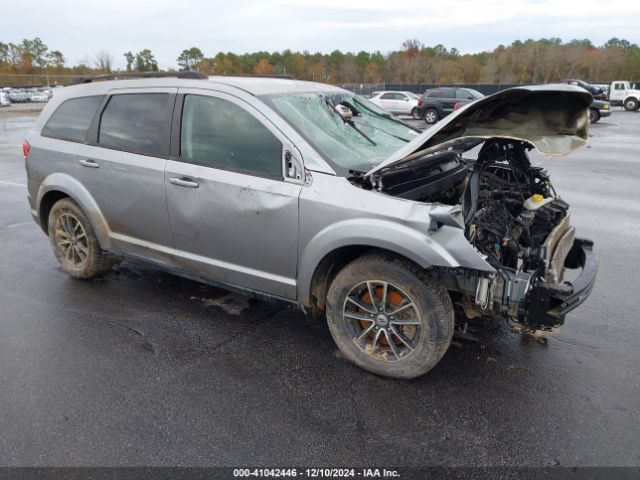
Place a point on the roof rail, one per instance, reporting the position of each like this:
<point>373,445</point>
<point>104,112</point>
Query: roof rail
<point>125,75</point>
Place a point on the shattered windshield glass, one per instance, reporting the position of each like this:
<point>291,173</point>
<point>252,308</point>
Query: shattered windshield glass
<point>350,132</point>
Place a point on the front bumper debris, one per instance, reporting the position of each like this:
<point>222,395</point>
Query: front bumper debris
<point>548,303</point>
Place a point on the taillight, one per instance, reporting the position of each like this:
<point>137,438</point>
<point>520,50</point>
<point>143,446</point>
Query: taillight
<point>419,100</point>
<point>25,149</point>
<point>457,106</point>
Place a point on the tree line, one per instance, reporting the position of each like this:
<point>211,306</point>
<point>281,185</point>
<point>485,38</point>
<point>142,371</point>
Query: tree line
<point>531,61</point>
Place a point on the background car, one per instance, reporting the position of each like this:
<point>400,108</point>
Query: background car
<point>39,97</point>
<point>597,92</point>
<point>19,96</point>
<point>4,100</point>
<point>437,103</point>
<point>599,109</point>
<point>396,102</point>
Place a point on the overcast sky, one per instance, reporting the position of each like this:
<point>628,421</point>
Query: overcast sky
<point>81,28</point>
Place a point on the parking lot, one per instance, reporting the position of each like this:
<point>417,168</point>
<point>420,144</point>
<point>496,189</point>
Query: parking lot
<point>144,368</point>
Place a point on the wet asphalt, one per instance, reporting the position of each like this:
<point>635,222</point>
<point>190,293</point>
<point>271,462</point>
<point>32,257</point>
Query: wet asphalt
<point>144,368</point>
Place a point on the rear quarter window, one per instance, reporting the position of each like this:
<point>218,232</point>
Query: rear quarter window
<point>72,119</point>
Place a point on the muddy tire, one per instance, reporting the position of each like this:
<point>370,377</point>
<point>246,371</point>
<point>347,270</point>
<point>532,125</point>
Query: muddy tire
<point>74,241</point>
<point>631,104</point>
<point>388,316</point>
<point>431,116</point>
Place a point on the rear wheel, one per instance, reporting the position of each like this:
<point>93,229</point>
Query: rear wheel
<point>431,116</point>
<point>389,317</point>
<point>631,104</point>
<point>594,115</point>
<point>74,242</point>
<point>415,114</point>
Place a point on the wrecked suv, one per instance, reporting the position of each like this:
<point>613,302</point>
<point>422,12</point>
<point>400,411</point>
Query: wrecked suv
<point>310,194</point>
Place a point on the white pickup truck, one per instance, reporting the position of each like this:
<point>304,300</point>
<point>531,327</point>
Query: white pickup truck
<point>621,94</point>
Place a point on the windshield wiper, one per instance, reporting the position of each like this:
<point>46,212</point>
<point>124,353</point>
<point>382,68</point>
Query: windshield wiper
<point>388,133</point>
<point>348,121</point>
<point>389,117</point>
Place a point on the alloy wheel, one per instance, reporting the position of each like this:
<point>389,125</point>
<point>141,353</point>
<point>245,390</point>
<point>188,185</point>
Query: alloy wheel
<point>71,240</point>
<point>431,117</point>
<point>382,320</point>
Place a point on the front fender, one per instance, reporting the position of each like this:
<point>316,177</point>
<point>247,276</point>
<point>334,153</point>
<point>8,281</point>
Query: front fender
<point>62,182</point>
<point>445,247</point>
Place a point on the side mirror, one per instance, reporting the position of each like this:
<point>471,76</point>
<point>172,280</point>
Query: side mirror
<point>293,167</point>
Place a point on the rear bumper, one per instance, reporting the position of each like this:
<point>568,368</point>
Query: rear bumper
<point>548,303</point>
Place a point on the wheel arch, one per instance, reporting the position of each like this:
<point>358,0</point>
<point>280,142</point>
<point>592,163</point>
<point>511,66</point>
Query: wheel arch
<point>344,241</point>
<point>326,270</point>
<point>58,186</point>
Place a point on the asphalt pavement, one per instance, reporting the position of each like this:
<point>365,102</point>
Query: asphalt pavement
<point>144,368</point>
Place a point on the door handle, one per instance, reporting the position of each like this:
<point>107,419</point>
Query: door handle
<point>184,182</point>
<point>89,163</point>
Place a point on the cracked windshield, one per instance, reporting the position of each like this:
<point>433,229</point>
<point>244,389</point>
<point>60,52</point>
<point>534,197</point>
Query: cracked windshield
<point>350,132</point>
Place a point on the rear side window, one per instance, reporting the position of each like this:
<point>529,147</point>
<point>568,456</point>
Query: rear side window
<point>463,95</point>
<point>136,123</point>
<point>72,119</point>
<point>218,133</point>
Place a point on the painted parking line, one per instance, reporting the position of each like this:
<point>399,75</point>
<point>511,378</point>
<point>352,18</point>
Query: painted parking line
<point>12,184</point>
<point>18,225</point>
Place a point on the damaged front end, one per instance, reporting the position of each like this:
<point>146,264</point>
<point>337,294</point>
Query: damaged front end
<point>508,208</point>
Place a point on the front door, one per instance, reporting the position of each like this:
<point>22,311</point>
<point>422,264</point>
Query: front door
<point>233,213</point>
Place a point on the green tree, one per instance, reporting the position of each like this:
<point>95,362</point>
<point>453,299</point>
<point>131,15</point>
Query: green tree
<point>190,59</point>
<point>130,58</point>
<point>36,50</point>
<point>146,62</point>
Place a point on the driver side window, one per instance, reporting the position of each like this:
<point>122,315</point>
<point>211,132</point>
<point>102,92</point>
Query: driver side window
<point>220,134</point>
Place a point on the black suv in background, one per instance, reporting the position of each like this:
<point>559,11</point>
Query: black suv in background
<point>596,92</point>
<point>437,103</point>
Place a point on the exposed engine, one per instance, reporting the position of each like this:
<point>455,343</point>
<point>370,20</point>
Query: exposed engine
<point>515,209</point>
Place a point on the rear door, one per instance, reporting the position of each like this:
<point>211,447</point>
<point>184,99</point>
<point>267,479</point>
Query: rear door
<point>403,104</point>
<point>448,99</point>
<point>123,168</point>
<point>389,102</point>
<point>233,211</point>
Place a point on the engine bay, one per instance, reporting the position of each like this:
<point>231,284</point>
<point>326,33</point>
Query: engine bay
<point>510,210</point>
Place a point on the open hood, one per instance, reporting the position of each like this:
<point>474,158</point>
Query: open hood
<point>552,118</point>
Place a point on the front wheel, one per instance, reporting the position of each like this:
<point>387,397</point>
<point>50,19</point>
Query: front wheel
<point>389,317</point>
<point>74,242</point>
<point>631,104</point>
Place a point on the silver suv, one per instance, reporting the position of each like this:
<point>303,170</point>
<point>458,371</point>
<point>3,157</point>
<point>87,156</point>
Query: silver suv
<point>310,194</point>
